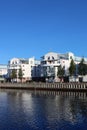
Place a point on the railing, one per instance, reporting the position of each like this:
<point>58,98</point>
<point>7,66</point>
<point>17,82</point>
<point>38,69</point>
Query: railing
<point>46,86</point>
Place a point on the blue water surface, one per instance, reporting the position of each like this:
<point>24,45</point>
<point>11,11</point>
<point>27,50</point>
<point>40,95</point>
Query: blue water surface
<point>42,110</point>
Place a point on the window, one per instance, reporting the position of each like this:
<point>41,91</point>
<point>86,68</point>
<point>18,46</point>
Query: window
<point>52,58</point>
<point>58,61</point>
<point>70,57</point>
<point>13,62</point>
<point>31,62</point>
<point>49,58</point>
<point>53,62</point>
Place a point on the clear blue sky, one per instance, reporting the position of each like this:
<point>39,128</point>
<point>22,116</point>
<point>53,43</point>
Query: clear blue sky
<point>35,27</point>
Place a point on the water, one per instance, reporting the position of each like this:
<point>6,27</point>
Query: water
<point>25,110</point>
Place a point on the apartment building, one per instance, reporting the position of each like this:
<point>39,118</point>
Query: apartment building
<point>51,61</point>
<point>43,69</point>
<point>27,66</point>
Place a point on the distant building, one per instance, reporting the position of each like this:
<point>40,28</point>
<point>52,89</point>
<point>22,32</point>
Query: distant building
<point>3,72</point>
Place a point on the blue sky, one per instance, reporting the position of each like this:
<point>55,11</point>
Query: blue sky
<point>35,27</point>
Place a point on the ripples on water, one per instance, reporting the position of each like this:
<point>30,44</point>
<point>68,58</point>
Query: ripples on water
<point>42,110</point>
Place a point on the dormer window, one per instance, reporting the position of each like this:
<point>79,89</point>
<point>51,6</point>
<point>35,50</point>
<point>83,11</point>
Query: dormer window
<point>52,58</point>
<point>13,62</point>
<point>49,58</point>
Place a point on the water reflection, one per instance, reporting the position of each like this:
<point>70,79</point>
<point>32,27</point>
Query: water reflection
<point>42,110</point>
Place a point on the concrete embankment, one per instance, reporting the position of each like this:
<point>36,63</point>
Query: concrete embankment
<point>46,86</point>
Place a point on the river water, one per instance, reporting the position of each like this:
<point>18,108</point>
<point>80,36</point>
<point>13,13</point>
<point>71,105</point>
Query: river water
<point>42,110</point>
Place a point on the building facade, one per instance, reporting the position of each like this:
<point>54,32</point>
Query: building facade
<point>44,69</point>
<point>26,65</point>
<point>51,61</point>
<point>3,73</point>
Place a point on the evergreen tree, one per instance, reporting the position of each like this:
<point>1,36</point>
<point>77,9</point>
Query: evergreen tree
<point>72,68</point>
<point>20,74</point>
<point>61,71</point>
<point>82,67</point>
<point>13,74</point>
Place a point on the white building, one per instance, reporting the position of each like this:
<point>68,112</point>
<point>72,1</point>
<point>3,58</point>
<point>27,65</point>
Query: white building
<point>25,64</point>
<point>51,61</point>
<point>46,68</point>
<point>3,72</point>
<point>49,64</point>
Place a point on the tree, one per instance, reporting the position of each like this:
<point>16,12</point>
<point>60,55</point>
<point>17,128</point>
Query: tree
<point>82,67</point>
<point>13,74</point>
<point>20,74</point>
<point>61,71</point>
<point>72,68</point>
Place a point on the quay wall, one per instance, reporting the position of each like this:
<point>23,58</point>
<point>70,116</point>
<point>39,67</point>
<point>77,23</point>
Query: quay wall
<point>46,86</point>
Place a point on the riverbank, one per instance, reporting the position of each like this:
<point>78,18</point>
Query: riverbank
<point>46,86</point>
